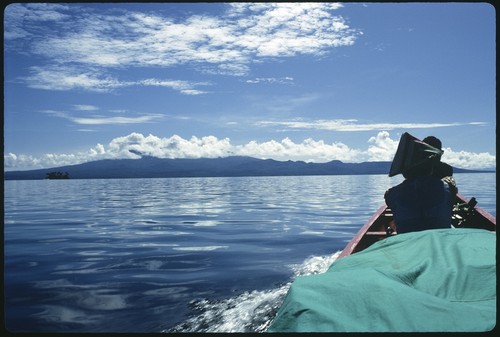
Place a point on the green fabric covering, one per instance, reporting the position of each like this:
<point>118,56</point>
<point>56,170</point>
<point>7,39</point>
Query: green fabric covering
<point>429,281</point>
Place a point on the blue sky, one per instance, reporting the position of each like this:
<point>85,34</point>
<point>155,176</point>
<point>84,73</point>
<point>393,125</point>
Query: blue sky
<point>298,81</point>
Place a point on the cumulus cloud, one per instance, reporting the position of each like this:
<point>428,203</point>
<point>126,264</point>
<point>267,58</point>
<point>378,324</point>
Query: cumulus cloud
<point>381,147</point>
<point>469,160</point>
<point>308,150</point>
<point>172,147</point>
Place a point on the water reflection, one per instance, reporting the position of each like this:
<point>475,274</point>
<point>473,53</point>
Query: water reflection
<point>145,254</point>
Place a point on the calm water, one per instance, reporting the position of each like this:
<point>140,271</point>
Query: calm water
<point>169,255</point>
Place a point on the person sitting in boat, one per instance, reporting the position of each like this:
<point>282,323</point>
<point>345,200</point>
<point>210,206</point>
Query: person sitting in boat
<point>423,200</point>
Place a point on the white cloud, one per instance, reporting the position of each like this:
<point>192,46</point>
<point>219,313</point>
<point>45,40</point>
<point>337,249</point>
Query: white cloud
<point>184,87</point>
<point>281,103</point>
<point>17,16</point>
<point>469,160</point>
<point>99,120</point>
<point>70,78</point>
<point>350,125</point>
<point>309,150</point>
<point>381,148</point>
<point>114,120</point>
<point>84,107</point>
<point>279,80</point>
<point>227,44</point>
<point>173,147</point>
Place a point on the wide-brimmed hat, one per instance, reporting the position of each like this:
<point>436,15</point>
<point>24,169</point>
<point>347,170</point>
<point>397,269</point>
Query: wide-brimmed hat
<point>411,153</point>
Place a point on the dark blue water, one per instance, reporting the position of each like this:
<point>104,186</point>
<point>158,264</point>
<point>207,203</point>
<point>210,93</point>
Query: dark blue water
<point>178,255</point>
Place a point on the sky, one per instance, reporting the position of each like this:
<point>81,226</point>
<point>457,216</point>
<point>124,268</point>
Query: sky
<point>294,81</point>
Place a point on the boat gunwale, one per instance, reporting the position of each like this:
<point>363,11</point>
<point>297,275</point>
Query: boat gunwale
<point>478,209</point>
<point>362,232</point>
<point>349,248</point>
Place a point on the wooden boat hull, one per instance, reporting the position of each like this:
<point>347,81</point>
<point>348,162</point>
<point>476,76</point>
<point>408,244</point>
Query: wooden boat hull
<point>466,214</point>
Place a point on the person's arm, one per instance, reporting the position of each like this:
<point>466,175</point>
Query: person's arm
<point>451,184</point>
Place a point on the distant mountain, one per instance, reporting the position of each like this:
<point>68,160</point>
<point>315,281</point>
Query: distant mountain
<point>152,167</point>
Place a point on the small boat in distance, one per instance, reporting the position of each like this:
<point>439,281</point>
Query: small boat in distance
<point>57,175</point>
<point>466,214</point>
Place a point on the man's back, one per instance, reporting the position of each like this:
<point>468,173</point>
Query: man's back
<point>420,203</point>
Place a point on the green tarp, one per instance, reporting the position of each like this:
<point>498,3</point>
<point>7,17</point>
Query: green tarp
<point>441,280</point>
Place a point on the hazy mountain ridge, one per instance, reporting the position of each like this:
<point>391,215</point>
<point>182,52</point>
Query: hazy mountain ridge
<point>236,166</point>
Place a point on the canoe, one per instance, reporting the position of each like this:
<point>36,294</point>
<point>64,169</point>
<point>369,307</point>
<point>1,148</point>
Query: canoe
<point>440,280</point>
<point>466,214</point>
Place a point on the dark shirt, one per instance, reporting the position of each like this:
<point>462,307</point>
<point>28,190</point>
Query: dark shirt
<point>421,203</point>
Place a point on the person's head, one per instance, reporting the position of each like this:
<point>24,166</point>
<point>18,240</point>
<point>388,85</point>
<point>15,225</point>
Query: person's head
<point>427,167</point>
<point>433,141</point>
<point>436,143</point>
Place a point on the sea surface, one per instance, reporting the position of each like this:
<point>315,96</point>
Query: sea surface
<point>178,254</point>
